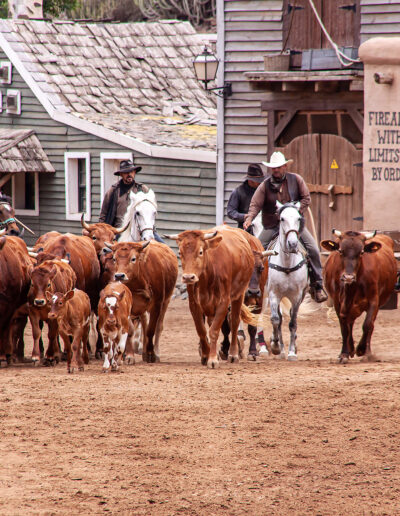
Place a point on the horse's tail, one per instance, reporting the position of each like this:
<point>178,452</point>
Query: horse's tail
<point>247,316</point>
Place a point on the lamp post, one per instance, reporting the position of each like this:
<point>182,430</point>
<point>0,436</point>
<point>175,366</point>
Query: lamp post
<point>205,67</point>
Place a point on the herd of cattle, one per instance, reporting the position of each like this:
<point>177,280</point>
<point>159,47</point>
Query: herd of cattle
<point>128,285</point>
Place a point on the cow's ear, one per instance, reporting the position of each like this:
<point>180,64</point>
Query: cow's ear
<point>85,232</point>
<point>69,295</point>
<point>372,247</point>
<point>49,295</point>
<point>329,245</point>
<point>213,242</point>
<point>121,294</point>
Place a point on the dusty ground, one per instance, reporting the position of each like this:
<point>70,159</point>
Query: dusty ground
<point>264,438</point>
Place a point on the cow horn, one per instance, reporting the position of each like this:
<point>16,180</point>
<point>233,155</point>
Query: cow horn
<point>32,254</point>
<point>172,237</point>
<point>30,249</point>
<point>121,230</point>
<point>146,244</point>
<point>210,235</point>
<point>270,253</point>
<point>337,232</point>
<point>369,234</point>
<point>84,224</point>
<point>107,244</point>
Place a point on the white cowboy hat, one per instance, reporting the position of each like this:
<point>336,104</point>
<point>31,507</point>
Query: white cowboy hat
<point>277,160</point>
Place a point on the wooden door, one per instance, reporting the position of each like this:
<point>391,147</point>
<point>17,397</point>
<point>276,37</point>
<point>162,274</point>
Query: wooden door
<point>301,29</point>
<point>330,165</point>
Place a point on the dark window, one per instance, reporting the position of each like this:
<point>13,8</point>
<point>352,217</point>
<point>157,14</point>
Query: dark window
<point>29,191</point>
<point>350,131</point>
<point>81,185</point>
<point>296,127</point>
<point>324,124</point>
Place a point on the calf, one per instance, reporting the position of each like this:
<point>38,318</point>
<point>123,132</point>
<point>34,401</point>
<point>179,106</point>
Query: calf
<point>115,324</point>
<point>50,276</point>
<point>72,312</point>
<point>360,274</point>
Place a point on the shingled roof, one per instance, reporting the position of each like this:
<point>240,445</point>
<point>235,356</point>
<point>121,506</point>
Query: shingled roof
<point>131,78</point>
<point>20,151</point>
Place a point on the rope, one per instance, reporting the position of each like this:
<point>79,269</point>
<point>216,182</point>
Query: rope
<point>290,26</point>
<point>337,50</point>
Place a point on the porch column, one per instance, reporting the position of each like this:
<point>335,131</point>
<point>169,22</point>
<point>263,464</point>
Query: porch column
<point>381,154</point>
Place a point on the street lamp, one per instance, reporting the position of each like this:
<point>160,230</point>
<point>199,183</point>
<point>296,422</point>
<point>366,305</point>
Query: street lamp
<point>205,67</point>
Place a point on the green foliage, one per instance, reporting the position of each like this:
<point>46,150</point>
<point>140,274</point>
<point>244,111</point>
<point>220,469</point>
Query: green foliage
<point>3,8</point>
<point>54,8</point>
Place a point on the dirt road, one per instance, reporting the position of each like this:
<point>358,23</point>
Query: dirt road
<point>261,438</point>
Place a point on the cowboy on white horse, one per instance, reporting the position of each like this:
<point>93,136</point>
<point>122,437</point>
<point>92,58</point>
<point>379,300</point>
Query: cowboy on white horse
<point>117,198</point>
<point>286,187</point>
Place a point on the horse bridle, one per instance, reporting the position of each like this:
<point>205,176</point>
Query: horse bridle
<point>290,230</point>
<point>5,223</point>
<point>141,231</point>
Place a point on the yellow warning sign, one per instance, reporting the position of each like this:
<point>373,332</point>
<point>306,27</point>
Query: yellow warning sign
<point>334,164</point>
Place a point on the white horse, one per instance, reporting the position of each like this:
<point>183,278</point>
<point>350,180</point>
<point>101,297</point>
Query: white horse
<point>141,217</point>
<point>287,277</point>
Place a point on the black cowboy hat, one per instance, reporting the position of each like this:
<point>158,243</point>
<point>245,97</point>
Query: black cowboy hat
<point>254,173</point>
<point>127,166</point>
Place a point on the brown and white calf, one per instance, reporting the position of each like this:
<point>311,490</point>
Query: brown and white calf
<point>115,324</point>
<point>72,312</point>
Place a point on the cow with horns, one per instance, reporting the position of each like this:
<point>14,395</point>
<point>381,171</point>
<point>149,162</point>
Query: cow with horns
<point>100,233</point>
<point>150,271</point>
<point>217,266</point>
<point>360,275</point>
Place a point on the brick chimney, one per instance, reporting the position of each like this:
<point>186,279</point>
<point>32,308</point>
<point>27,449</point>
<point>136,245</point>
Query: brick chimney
<point>25,9</point>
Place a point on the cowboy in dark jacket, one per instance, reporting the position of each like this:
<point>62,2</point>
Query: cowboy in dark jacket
<point>239,201</point>
<point>116,200</point>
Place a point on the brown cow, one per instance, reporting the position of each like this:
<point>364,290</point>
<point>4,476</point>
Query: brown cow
<point>50,276</point>
<point>72,313</point>
<point>150,271</point>
<point>359,275</point>
<point>253,296</point>
<point>100,233</point>
<point>115,323</point>
<point>15,268</point>
<point>217,266</point>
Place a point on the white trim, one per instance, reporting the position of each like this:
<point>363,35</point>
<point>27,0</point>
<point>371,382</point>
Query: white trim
<point>104,156</point>
<point>19,211</point>
<point>62,114</point>
<point>70,181</point>
<point>220,180</point>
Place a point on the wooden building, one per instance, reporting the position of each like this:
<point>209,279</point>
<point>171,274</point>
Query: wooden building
<point>309,105</point>
<point>93,94</point>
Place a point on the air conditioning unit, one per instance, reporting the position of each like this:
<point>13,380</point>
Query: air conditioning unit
<point>5,72</point>
<point>13,102</point>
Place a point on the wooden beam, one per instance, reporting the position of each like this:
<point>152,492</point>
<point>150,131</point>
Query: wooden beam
<point>283,122</point>
<point>310,104</point>
<point>357,118</point>
<point>4,179</point>
<point>271,132</point>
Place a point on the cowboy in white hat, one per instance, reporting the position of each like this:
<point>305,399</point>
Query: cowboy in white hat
<point>284,186</point>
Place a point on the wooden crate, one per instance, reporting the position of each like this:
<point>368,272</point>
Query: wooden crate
<point>326,59</point>
<point>276,62</point>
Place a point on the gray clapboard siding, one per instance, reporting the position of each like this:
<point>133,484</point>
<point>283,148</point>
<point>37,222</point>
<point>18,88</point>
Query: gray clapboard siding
<point>379,18</point>
<point>185,190</point>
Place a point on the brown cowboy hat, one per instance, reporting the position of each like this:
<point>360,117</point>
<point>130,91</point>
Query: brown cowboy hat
<point>127,166</point>
<point>254,173</point>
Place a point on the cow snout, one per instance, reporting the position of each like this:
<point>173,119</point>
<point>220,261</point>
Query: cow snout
<point>39,302</point>
<point>51,315</point>
<point>189,278</point>
<point>253,292</point>
<point>347,279</point>
<point>120,276</point>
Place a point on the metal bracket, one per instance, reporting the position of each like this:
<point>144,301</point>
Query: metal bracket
<point>225,90</point>
<point>350,7</point>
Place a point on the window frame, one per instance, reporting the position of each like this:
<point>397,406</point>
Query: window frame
<point>71,185</point>
<point>22,211</point>
<point>108,156</point>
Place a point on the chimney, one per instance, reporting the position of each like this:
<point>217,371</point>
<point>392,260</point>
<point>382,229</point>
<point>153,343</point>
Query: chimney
<point>25,9</point>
